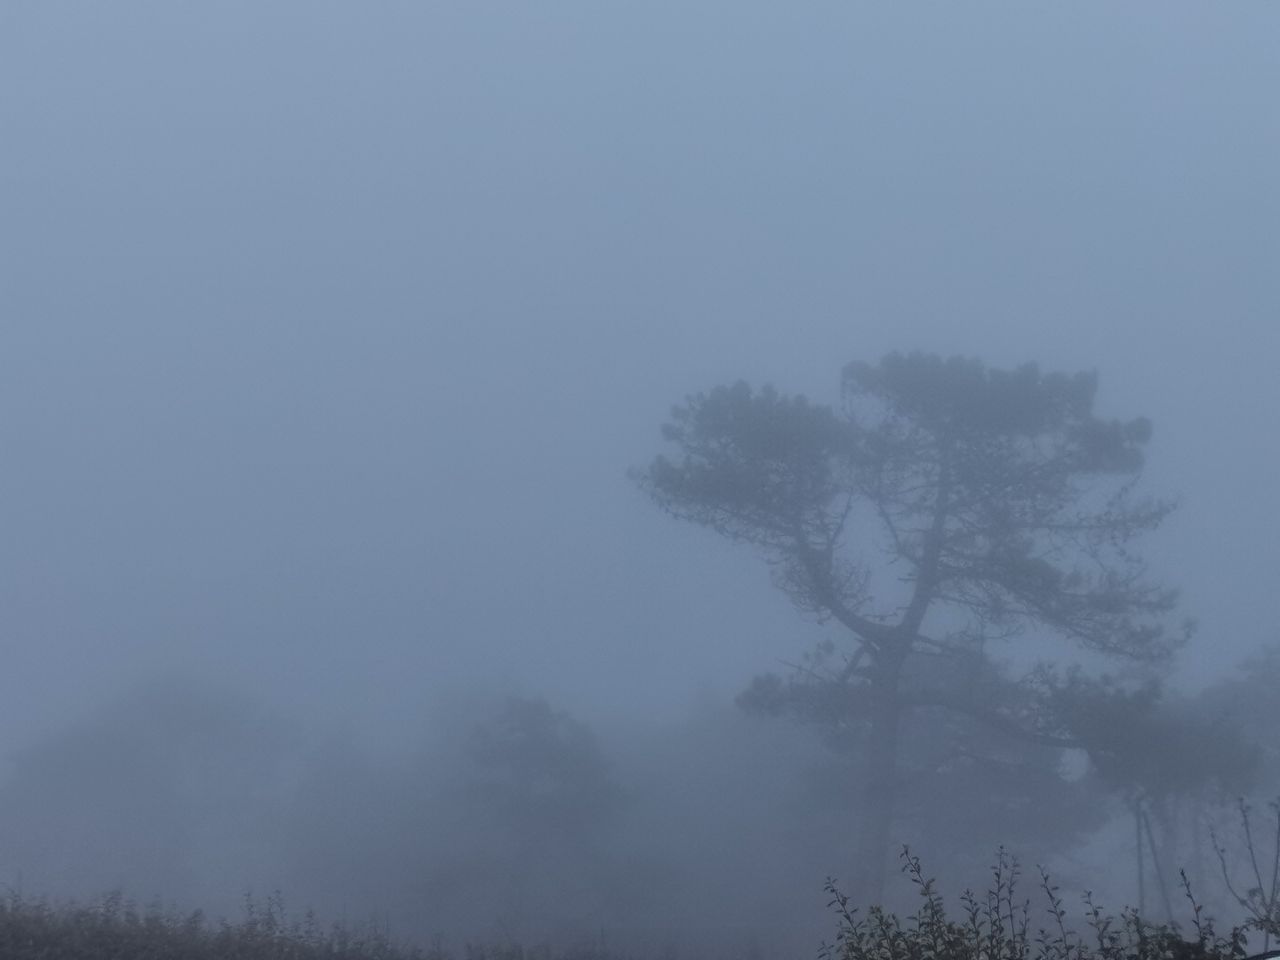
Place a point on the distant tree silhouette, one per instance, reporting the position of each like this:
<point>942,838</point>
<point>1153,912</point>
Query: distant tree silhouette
<point>945,506</point>
<point>1171,759</point>
<point>539,771</point>
<point>966,786</point>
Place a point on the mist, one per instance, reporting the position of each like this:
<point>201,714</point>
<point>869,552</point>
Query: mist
<point>333,336</point>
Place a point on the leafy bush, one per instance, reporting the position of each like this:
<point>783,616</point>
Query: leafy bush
<point>1001,925</point>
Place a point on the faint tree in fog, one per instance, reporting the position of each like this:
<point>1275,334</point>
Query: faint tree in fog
<point>539,771</point>
<point>1173,760</point>
<point>173,787</point>
<point>1250,701</point>
<point>946,505</point>
<point>966,786</point>
<point>537,794</point>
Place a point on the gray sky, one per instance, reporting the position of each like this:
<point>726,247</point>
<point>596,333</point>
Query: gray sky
<point>328,330</point>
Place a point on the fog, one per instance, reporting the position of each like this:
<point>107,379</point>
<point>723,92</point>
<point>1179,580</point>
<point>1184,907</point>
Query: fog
<point>329,333</point>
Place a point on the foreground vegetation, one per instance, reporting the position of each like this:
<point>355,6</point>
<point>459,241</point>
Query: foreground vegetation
<point>999,924</point>
<point>117,929</point>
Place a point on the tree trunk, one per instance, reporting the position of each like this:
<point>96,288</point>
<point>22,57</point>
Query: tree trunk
<point>879,793</point>
<point>1142,871</point>
<point>1156,866</point>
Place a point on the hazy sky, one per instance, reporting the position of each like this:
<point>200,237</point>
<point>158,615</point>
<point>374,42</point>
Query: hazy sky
<point>329,330</point>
